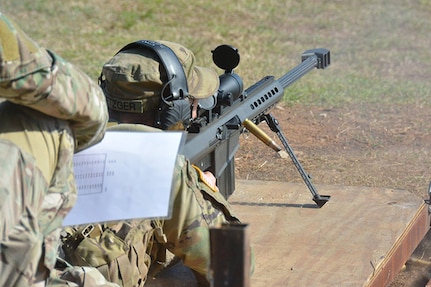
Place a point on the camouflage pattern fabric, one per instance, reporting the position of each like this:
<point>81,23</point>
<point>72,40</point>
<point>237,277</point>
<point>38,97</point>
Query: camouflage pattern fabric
<point>120,251</point>
<point>133,81</point>
<point>38,190</point>
<point>60,111</point>
<point>196,207</point>
<point>42,80</point>
<point>136,76</point>
<point>21,241</point>
<point>79,276</point>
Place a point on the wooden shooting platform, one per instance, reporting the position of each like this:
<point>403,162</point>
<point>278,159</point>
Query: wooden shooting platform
<point>360,237</point>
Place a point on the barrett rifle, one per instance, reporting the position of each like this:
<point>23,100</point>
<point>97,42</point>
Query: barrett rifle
<point>213,137</point>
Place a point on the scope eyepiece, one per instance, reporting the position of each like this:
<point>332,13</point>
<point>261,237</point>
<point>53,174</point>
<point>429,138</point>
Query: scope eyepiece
<point>208,103</point>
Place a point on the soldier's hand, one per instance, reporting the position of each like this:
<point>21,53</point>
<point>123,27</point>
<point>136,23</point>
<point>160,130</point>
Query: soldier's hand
<point>210,179</point>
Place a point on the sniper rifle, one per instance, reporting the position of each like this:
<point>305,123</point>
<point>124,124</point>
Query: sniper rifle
<point>213,137</point>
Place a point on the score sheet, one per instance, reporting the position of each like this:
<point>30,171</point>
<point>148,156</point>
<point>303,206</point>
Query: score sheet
<point>127,175</point>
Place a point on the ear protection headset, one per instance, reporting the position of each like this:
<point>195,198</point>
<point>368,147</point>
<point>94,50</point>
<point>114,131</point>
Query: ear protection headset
<point>177,82</point>
<point>170,110</point>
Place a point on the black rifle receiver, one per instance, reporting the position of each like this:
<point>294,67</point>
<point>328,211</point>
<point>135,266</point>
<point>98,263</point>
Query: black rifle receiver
<point>213,138</point>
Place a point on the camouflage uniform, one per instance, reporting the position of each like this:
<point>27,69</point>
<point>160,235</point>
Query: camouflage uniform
<point>130,79</point>
<point>196,206</point>
<point>49,109</point>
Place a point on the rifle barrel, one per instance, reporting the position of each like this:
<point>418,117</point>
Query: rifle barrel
<point>299,71</point>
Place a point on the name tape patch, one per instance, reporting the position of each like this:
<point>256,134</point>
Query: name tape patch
<point>131,106</point>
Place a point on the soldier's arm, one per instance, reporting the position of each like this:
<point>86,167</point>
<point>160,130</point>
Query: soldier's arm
<point>32,76</point>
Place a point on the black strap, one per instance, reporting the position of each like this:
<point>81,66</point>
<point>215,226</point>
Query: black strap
<point>174,70</point>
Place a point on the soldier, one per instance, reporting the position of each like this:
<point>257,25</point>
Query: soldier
<point>140,97</point>
<point>49,109</point>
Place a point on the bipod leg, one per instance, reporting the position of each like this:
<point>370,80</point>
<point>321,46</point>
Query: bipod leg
<point>320,200</point>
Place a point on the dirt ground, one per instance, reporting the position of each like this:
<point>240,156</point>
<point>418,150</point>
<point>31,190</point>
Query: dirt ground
<point>360,145</point>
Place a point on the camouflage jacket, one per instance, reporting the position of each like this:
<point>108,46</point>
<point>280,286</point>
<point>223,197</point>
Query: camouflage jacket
<point>37,78</point>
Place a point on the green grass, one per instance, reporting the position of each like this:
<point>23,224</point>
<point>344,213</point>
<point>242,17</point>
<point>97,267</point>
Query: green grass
<point>380,50</point>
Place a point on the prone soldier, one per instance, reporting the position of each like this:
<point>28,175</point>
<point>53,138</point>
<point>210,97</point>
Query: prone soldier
<point>141,76</point>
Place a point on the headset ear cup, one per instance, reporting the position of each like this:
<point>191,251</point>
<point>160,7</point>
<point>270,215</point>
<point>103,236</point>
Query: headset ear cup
<point>177,81</point>
<point>178,112</point>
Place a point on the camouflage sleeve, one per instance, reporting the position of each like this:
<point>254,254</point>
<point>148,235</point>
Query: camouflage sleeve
<point>196,207</point>
<point>40,79</point>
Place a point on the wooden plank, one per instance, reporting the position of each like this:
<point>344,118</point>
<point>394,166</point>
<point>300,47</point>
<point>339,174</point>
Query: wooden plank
<point>347,242</point>
<point>361,237</point>
<point>402,249</point>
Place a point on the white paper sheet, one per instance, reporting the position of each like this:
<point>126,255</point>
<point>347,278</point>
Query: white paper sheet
<point>127,175</point>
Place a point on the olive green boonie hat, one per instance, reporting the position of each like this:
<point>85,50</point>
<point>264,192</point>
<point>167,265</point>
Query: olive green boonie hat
<point>202,82</point>
<point>133,79</point>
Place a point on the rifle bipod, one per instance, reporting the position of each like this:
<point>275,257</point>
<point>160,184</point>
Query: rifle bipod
<point>320,200</point>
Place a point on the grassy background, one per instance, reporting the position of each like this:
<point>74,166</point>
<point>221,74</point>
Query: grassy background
<point>380,50</point>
